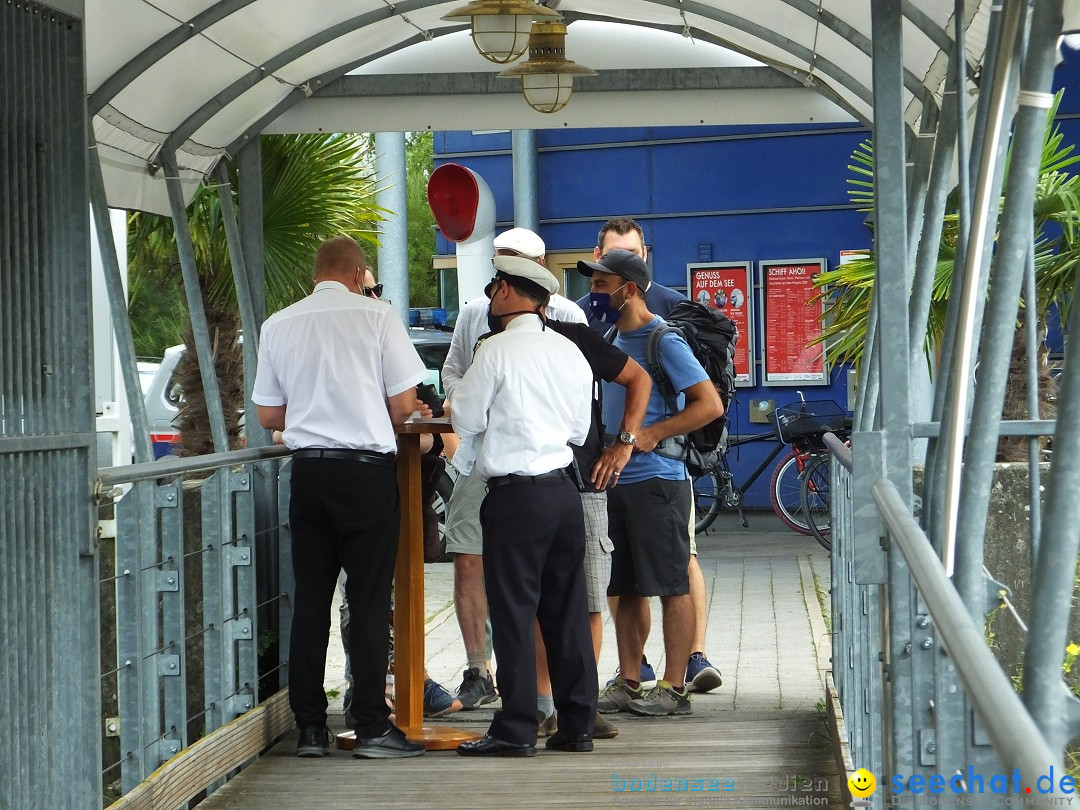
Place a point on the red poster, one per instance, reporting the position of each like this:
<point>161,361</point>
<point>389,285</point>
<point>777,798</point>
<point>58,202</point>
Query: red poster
<point>726,286</point>
<point>792,322</point>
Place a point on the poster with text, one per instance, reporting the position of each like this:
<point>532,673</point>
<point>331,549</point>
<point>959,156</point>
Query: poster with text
<point>791,322</point>
<point>727,286</point>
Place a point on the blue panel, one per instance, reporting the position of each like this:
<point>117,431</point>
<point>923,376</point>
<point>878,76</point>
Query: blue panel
<point>464,141</point>
<point>753,173</point>
<point>595,183</point>
<point>1067,75</point>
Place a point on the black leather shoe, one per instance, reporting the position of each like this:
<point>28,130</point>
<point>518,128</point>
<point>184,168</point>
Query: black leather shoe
<point>561,741</point>
<point>494,747</point>
<point>391,745</point>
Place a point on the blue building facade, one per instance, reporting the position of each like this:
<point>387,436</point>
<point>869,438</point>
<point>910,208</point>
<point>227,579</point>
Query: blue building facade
<point>701,194</point>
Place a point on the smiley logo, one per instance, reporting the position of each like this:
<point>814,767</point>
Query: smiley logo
<point>862,783</point>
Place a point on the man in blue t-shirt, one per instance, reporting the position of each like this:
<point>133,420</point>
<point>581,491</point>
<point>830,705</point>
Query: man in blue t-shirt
<point>623,233</point>
<point>649,511</point>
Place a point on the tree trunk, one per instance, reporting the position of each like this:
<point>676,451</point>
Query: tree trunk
<point>1015,448</point>
<point>193,420</point>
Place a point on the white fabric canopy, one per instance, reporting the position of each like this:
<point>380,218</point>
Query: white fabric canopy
<point>204,77</point>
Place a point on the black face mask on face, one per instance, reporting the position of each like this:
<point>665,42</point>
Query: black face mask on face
<point>496,325</point>
<point>495,322</point>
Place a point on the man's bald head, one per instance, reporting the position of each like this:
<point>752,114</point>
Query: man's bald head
<point>339,258</point>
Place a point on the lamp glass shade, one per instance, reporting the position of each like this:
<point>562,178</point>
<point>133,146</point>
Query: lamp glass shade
<point>501,38</point>
<point>547,92</point>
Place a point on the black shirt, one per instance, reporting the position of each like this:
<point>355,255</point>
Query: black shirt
<point>607,363</point>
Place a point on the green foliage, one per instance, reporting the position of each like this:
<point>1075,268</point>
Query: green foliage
<point>419,163</point>
<point>847,289</point>
<point>314,186</point>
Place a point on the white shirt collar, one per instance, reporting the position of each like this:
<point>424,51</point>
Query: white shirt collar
<point>528,322</point>
<point>330,285</point>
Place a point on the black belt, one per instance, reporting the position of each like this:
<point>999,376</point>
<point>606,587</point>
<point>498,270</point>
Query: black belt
<point>365,456</point>
<point>544,478</point>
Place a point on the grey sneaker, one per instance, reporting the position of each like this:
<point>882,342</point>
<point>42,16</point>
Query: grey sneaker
<point>603,730</point>
<point>661,701</point>
<point>474,690</point>
<point>546,726</point>
<point>617,696</point>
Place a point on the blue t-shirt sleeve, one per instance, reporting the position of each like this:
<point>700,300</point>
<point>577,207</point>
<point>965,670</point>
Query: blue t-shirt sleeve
<point>679,363</point>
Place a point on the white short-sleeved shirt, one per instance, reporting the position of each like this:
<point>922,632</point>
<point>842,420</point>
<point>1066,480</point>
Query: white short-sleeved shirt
<point>472,323</point>
<point>527,393</point>
<point>333,359</point>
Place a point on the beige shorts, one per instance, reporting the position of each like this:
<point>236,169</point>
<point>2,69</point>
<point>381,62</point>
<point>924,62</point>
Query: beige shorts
<point>463,532</point>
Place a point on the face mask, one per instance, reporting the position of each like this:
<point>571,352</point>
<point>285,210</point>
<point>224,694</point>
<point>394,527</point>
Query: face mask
<point>495,322</point>
<point>602,310</point>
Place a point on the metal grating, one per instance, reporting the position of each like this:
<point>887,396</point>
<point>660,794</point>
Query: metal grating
<point>48,601</point>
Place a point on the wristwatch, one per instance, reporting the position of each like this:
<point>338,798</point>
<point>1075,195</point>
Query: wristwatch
<point>626,437</point>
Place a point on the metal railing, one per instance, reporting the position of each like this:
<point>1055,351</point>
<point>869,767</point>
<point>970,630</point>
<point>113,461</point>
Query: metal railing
<point>185,615</point>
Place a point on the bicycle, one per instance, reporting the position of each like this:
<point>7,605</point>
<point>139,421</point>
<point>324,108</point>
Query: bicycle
<point>815,499</point>
<point>799,426</point>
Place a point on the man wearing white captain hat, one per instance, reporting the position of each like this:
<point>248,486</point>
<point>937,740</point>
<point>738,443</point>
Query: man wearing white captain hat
<point>526,396</point>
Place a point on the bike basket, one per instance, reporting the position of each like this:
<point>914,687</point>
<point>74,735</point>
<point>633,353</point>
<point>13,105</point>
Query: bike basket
<point>809,419</point>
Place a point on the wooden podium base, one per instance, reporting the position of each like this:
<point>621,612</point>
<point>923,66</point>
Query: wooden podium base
<point>433,738</point>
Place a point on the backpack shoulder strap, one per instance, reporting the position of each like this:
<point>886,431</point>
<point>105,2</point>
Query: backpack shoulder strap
<point>656,371</point>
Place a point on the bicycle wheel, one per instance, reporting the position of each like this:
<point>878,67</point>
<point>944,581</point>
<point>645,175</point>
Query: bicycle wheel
<point>707,500</point>
<point>785,491</point>
<point>816,500</point>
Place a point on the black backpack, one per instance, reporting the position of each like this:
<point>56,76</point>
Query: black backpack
<point>712,337</point>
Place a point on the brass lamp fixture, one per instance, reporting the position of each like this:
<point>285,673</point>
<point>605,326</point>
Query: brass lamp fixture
<point>500,28</point>
<point>547,76</point>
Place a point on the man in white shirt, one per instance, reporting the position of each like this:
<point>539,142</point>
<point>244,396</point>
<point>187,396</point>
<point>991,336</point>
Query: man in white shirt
<point>527,394</point>
<point>336,372</point>
<point>463,534</point>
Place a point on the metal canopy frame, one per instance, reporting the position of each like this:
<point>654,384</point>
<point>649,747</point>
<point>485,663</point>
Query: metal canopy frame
<point>919,718</point>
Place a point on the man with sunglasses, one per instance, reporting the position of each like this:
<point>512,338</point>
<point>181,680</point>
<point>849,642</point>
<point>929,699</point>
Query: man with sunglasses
<point>464,539</point>
<point>437,701</point>
<point>336,372</point>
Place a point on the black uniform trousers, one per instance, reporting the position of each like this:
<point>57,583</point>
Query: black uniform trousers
<point>343,515</point>
<point>534,549</point>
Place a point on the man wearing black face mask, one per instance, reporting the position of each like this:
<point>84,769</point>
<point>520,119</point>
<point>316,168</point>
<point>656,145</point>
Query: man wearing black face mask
<point>526,396</point>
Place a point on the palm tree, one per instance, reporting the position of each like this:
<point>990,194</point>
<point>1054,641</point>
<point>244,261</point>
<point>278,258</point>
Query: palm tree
<point>847,289</point>
<point>314,186</point>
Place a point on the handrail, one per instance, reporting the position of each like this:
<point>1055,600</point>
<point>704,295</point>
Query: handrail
<point>840,451</point>
<point>1016,738</point>
<point>109,476</point>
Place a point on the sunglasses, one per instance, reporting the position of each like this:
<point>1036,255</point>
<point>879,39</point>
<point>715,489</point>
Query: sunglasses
<point>374,292</point>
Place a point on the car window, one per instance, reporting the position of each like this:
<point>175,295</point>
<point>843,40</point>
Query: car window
<point>433,354</point>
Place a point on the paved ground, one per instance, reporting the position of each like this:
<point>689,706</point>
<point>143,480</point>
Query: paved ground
<point>759,633</point>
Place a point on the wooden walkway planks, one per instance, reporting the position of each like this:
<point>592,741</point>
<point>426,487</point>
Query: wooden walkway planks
<point>760,757</point>
<point>762,733</point>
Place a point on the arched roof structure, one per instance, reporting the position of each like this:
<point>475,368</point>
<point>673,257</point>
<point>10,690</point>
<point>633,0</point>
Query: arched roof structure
<point>201,78</point>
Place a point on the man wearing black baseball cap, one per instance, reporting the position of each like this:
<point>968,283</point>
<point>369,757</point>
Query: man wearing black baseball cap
<point>649,511</point>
